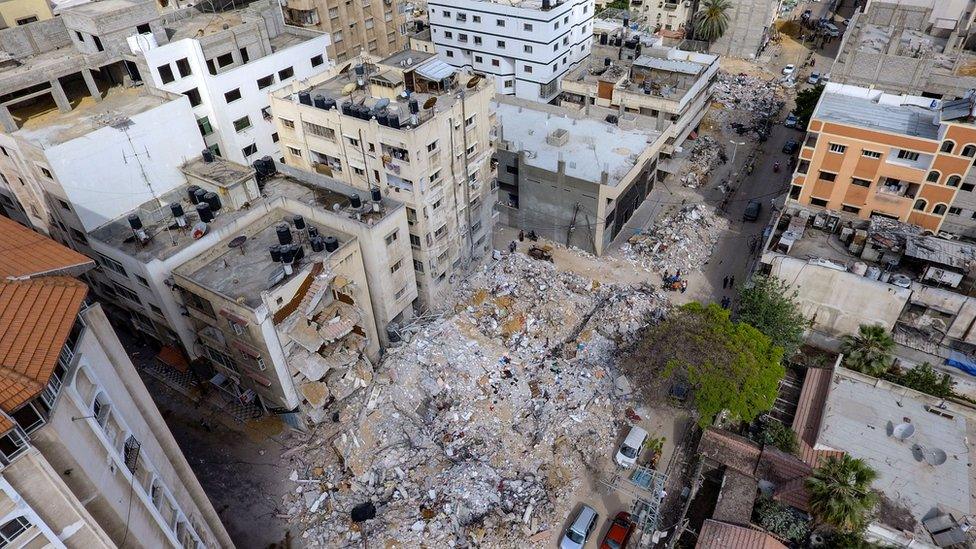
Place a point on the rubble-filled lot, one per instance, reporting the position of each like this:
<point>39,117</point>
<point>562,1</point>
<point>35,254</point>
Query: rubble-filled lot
<point>749,103</point>
<point>681,240</point>
<point>478,430</point>
<point>705,156</point>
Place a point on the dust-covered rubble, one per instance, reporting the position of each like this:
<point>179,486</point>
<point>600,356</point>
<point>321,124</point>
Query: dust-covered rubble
<point>479,430</point>
<point>750,103</point>
<point>681,240</point>
<point>705,156</point>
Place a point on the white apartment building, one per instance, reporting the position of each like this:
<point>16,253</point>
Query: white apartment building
<point>527,45</point>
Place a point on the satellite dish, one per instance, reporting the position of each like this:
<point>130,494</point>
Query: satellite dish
<point>277,275</point>
<point>238,242</point>
<point>890,428</point>
<point>348,88</point>
<point>935,456</point>
<point>199,229</point>
<point>345,69</point>
<point>381,104</point>
<point>918,453</point>
<point>903,431</point>
<point>429,104</point>
<point>473,82</point>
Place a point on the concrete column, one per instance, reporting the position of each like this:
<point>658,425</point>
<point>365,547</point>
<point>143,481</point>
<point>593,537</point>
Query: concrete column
<point>59,97</point>
<point>6,120</point>
<point>90,82</point>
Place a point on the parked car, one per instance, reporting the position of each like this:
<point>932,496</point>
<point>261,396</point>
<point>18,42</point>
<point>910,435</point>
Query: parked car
<point>807,14</point>
<point>791,146</point>
<point>814,78</point>
<point>791,120</point>
<point>831,30</point>
<point>752,210</point>
<point>789,69</point>
<point>630,448</point>
<point>619,533</point>
<point>580,529</point>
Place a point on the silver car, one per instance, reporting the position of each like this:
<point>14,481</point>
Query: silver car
<point>581,528</point>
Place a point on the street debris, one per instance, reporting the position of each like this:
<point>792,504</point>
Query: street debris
<point>750,103</point>
<point>480,430</point>
<point>682,241</point>
<point>705,156</point>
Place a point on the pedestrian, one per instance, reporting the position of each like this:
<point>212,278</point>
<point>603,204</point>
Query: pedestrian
<point>678,274</point>
<point>732,281</point>
<point>684,286</point>
<point>725,282</point>
<point>521,236</point>
<point>666,274</point>
<point>511,246</point>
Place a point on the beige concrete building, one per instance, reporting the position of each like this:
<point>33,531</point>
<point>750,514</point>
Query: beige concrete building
<point>431,152</point>
<point>669,17</point>
<point>14,13</point>
<point>368,26</point>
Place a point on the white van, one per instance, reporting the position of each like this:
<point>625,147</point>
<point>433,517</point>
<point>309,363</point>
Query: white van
<point>831,30</point>
<point>631,447</point>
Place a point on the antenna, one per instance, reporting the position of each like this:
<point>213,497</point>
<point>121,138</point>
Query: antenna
<point>124,128</point>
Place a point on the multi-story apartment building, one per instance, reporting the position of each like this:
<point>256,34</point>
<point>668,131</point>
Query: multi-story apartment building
<point>868,153</point>
<point>750,26</point>
<point>526,45</point>
<point>14,13</point>
<point>413,128</point>
<point>368,26</point>
<point>205,281</point>
<point>670,18</point>
<point>86,459</point>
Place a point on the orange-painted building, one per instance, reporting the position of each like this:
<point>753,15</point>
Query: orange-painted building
<point>870,153</point>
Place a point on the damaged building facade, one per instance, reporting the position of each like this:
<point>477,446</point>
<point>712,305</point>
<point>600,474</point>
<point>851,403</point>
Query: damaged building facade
<point>351,278</point>
<point>432,152</point>
<point>355,27</point>
<point>571,177</point>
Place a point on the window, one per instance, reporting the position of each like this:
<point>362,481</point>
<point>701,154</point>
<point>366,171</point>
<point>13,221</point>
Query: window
<point>432,146</point>
<point>265,81</point>
<point>337,36</point>
<point>476,18</point>
<point>947,147</point>
<point>968,187</point>
<point>448,34</point>
<point>142,280</point>
<point>166,73</point>
<point>907,155</point>
<point>414,241</point>
<point>249,150</point>
<point>933,176</point>
<point>851,209</point>
<point>333,13</point>
<point>11,530</point>
<point>225,60</point>
<point>437,204</point>
<point>274,137</point>
<point>204,125</point>
<point>98,43</point>
<point>462,17</point>
<point>527,48</point>
<point>418,265</point>
<point>462,37</point>
<point>126,293</point>
<point>478,59</point>
<point>396,266</point>
<point>183,66</point>
<point>193,95</point>
<point>837,148</point>
<point>242,123</point>
<point>320,131</point>
<point>287,123</point>
<point>953,181</point>
<point>294,151</point>
<point>870,154</point>
<point>955,211</point>
<point>369,23</point>
<point>528,69</point>
<point>860,182</point>
<point>527,27</point>
<point>494,63</point>
<point>232,95</point>
<point>221,358</point>
<point>920,204</point>
<point>317,60</point>
<point>477,40</point>
<point>827,176</point>
<point>400,292</point>
<point>392,237</point>
<point>286,73</point>
<point>449,53</point>
<point>112,264</point>
<point>509,83</point>
<point>818,202</point>
<point>939,209</point>
<point>969,150</point>
<point>446,13</point>
<point>499,22</point>
<point>78,236</point>
<point>46,172</point>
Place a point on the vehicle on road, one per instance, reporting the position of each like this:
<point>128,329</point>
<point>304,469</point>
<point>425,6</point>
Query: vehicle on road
<point>753,208</point>
<point>791,121</point>
<point>619,533</point>
<point>814,78</point>
<point>580,529</point>
<point>630,448</point>
<point>789,69</point>
<point>807,14</point>
<point>831,30</point>
<point>791,146</point>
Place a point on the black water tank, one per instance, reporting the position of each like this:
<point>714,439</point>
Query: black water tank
<point>626,21</point>
<point>376,194</point>
<point>208,155</point>
<point>191,191</point>
<point>347,108</point>
<point>275,253</point>
<point>606,62</point>
<point>383,118</point>
<point>299,222</point>
<point>312,231</point>
<point>284,234</point>
<point>331,244</point>
<point>200,193</point>
<point>299,251</point>
<point>330,104</point>
<point>177,209</point>
<point>305,98</point>
<point>414,106</point>
<point>213,200</point>
<point>359,70</point>
<point>355,201</point>
<point>319,101</point>
<point>546,5</point>
<point>269,165</point>
<point>394,121</point>
<point>135,222</point>
<point>317,244</point>
<point>603,39</point>
<point>203,210</point>
<point>288,254</point>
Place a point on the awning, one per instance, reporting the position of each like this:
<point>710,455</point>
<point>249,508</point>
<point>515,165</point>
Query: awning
<point>246,349</point>
<point>435,69</point>
<point>171,357</point>
<point>962,362</point>
<point>236,319</point>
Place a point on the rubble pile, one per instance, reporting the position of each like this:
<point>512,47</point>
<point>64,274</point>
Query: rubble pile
<point>682,240</point>
<point>750,102</point>
<point>479,430</point>
<point>705,156</point>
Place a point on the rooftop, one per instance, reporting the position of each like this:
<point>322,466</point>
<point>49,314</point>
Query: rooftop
<point>25,254</point>
<point>906,119</point>
<point>719,535</point>
<point>523,4</point>
<point>920,451</point>
<point>590,146</point>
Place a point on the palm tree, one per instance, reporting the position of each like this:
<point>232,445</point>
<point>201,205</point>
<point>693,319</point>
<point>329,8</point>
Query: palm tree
<point>840,493</point>
<point>869,351</point>
<point>712,19</point>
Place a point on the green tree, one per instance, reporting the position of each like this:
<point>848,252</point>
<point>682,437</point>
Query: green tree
<point>869,351</point>
<point>806,102</point>
<point>924,378</point>
<point>619,4</point>
<point>840,493</point>
<point>770,306</point>
<point>774,433</point>
<point>781,520</point>
<point>712,19</point>
<point>728,365</point>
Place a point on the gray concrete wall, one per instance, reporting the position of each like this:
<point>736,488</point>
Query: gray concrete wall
<point>35,38</point>
<point>748,29</point>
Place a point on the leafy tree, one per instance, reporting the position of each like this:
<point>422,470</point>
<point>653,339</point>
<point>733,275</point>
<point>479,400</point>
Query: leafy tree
<point>869,351</point>
<point>712,19</point>
<point>806,102</point>
<point>776,434</point>
<point>619,4</point>
<point>771,307</point>
<point>851,540</point>
<point>924,378</point>
<point>840,493</point>
<point>728,365</point>
<point>781,520</point>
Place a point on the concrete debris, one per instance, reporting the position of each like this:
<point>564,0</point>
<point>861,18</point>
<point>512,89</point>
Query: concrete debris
<point>705,156</point>
<point>750,103</point>
<point>682,240</point>
<point>480,429</point>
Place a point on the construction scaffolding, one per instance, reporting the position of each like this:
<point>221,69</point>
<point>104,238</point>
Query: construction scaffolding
<point>645,488</point>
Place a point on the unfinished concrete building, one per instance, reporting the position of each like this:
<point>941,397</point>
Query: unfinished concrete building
<point>229,302</point>
<point>634,73</point>
<point>751,24</point>
<point>671,18</point>
<point>86,459</point>
<point>374,27</point>
<point>571,177</point>
<point>925,47</point>
<point>432,152</point>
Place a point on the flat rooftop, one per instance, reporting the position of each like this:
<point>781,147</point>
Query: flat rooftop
<point>524,4</point>
<point>858,419</point>
<point>593,146</point>
<point>671,72</point>
<point>242,273</point>
<point>865,113</point>
<point>202,24</point>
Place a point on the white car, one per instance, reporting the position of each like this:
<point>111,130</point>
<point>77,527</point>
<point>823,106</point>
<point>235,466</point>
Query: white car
<point>814,78</point>
<point>630,449</point>
<point>788,70</point>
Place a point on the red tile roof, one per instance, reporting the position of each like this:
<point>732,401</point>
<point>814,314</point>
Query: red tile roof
<point>36,317</point>
<point>730,449</point>
<point>788,473</point>
<point>719,535</point>
<point>809,413</point>
<point>25,253</point>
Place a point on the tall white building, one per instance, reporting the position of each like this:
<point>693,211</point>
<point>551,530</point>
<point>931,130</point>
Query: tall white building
<point>527,45</point>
